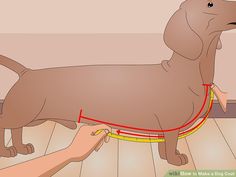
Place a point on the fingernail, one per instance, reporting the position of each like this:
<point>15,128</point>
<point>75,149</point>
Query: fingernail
<point>106,131</point>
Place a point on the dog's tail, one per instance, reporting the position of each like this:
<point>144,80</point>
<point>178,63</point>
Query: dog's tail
<point>13,65</point>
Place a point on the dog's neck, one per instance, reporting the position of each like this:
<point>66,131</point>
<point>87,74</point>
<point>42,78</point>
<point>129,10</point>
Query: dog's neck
<point>205,64</point>
<point>207,59</point>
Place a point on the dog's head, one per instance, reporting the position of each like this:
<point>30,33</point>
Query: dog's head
<point>196,22</point>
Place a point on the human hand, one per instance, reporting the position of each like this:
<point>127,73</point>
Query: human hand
<point>86,141</point>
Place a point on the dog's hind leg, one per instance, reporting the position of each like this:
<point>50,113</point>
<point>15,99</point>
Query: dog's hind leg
<point>6,151</point>
<point>17,114</point>
<point>171,139</point>
<point>18,144</point>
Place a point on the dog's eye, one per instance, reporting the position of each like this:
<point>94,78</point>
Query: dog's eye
<point>210,4</point>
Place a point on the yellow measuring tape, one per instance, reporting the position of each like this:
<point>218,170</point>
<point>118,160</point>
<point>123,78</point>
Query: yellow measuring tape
<point>151,140</point>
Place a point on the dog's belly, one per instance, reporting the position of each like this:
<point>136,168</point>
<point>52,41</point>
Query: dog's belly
<point>119,95</point>
<point>133,112</point>
<point>132,109</point>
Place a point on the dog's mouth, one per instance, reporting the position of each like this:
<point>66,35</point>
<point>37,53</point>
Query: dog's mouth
<point>232,23</point>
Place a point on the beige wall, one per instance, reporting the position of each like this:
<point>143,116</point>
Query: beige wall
<point>86,16</point>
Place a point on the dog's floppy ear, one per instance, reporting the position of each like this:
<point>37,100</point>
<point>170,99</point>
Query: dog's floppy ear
<point>180,37</point>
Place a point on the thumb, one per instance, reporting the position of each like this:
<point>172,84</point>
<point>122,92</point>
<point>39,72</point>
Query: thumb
<point>101,135</point>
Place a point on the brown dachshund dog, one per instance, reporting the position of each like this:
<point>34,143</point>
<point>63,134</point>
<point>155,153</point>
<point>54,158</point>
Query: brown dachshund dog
<point>158,96</point>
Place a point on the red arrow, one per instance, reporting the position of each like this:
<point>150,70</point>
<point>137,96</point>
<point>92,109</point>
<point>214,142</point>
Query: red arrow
<point>142,129</point>
<point>150,130</point>
<point>118,132</point>
<point>161,136</point>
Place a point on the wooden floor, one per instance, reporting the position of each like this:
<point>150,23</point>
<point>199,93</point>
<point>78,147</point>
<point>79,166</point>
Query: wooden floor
<point>212,147</point>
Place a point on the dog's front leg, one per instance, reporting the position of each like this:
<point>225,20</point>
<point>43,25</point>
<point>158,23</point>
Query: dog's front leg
<point>162,150</point>
<point>172,155</point>
<point>6,151</point>
<point>18,144</point>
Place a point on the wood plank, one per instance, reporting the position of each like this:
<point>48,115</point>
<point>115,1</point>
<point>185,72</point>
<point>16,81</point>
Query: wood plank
<point>103,163</point>
<point>162,166</point>
<point>227,128</point>
<point>62,138</point>
<point>135,159</point>
<point>209,149</point>
<point>39,136</point>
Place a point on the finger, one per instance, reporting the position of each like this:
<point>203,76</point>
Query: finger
<point>100,136</point>
<point>101,127</point>
<point>107,138</point>
<point>99,145</point>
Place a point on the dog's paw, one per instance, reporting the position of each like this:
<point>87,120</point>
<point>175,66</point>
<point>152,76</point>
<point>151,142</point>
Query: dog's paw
<point>184,158</point>
<point>25,149</point>
<point>178,159</point>
<point>163,155</point>
<point>8,152</point>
